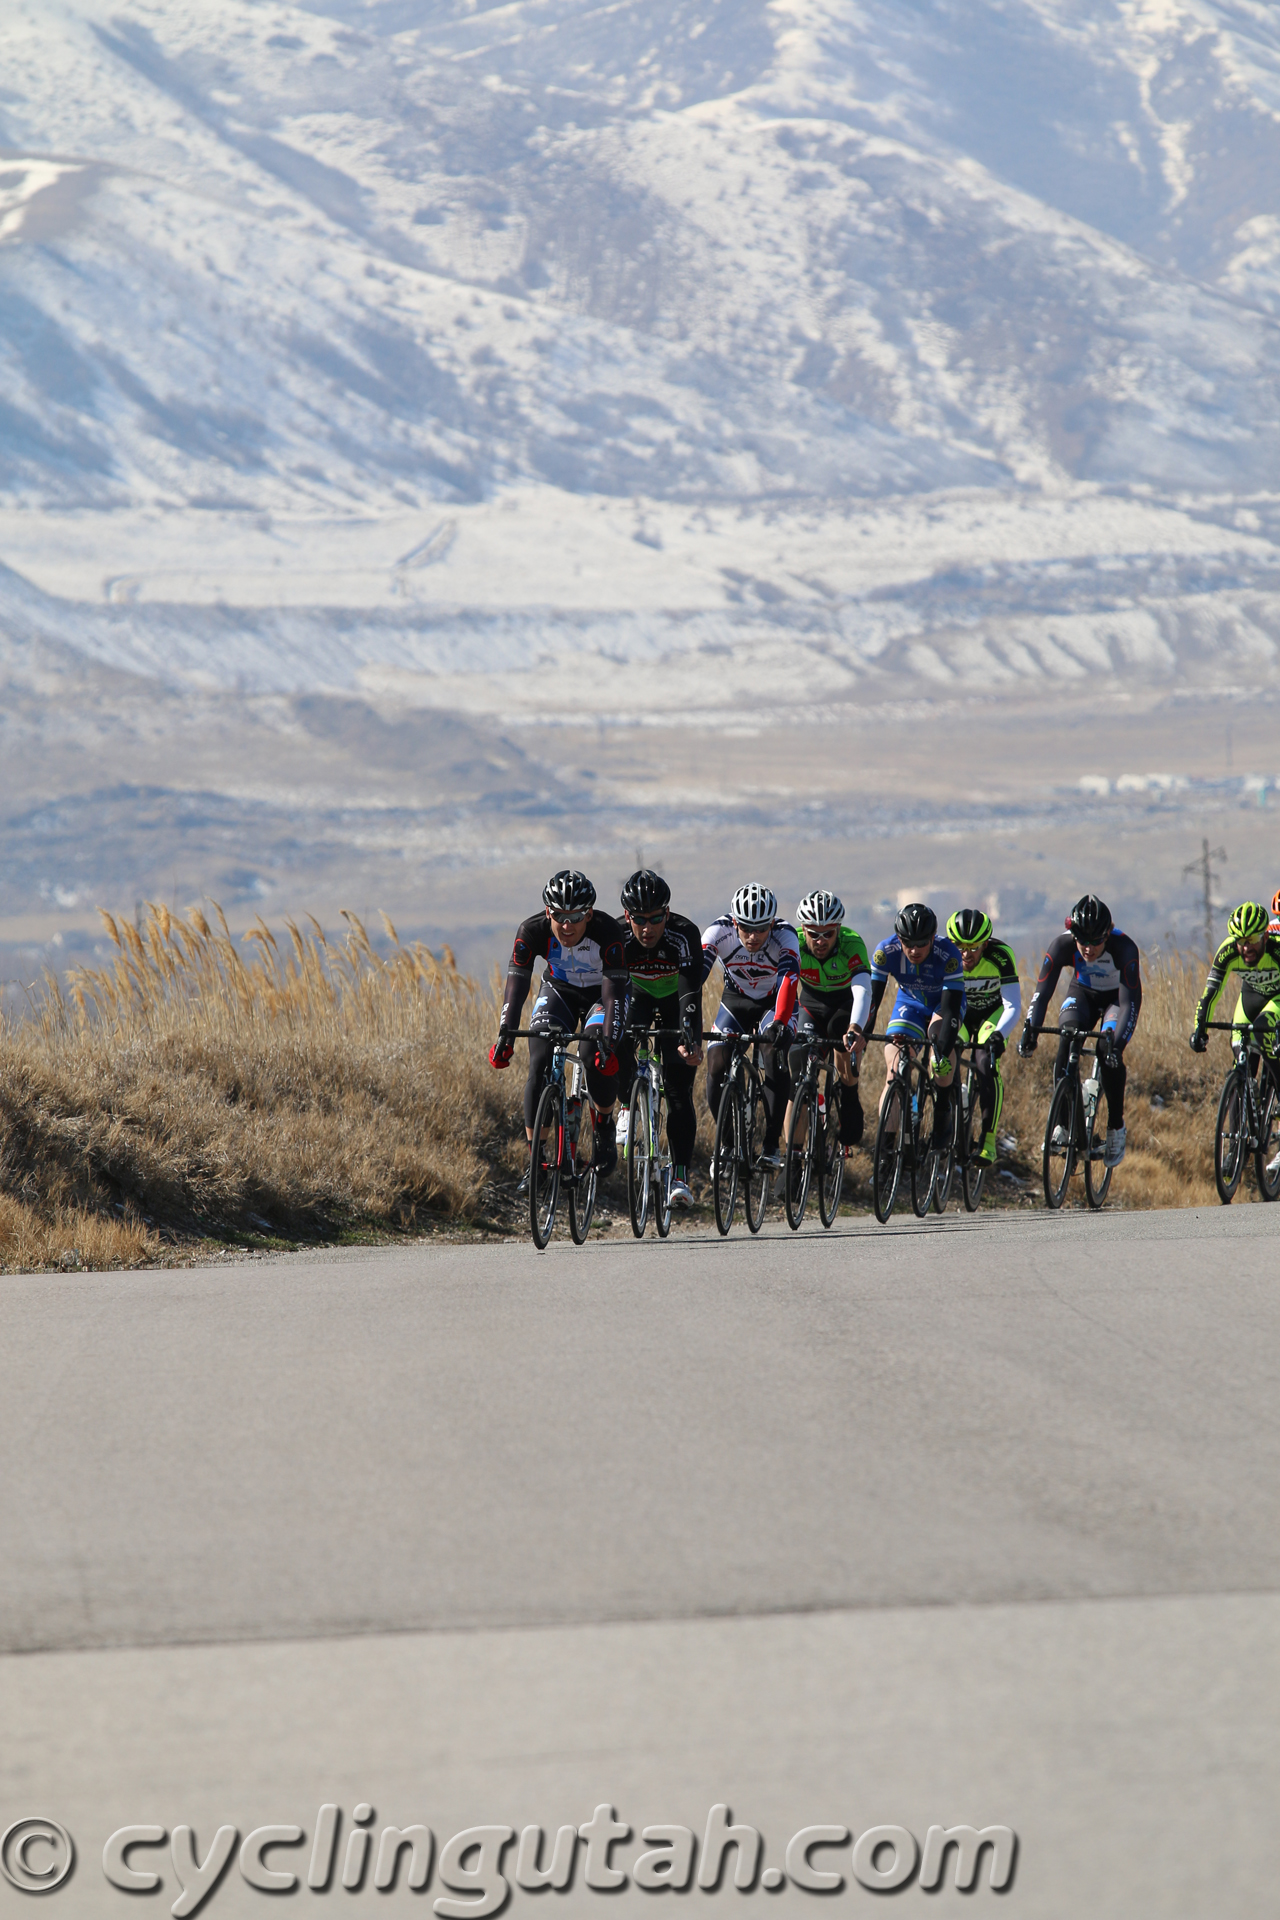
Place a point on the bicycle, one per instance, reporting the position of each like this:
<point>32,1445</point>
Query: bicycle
<point>818,1107</point>
<point>647,1149</point>
<point>1073,1113</point>
<point>740,1127</point>
<point>563,1122</point>
<point>964,1152</point>
<point>906,1120</point>
<point>1247,1123</point>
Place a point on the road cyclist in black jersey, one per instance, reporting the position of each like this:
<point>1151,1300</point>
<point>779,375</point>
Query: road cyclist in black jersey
<point>1106,985</point>
<point>993,1004</point>
<point>585,983</point>
<point>760,957</point>
<point>663,953</point>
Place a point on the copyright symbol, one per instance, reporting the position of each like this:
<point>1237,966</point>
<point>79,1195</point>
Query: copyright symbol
<point>24,1861</point>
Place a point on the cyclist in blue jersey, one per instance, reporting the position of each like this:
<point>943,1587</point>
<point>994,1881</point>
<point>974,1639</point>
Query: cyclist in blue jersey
<point>930,1003</point>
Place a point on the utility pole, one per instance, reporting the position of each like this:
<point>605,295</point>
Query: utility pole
<point>1204,867</point>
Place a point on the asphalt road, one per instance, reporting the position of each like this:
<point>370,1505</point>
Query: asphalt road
<point>975,1521</point>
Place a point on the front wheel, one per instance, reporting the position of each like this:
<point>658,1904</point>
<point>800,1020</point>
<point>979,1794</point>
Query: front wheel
<point>582,1177</point>
<point>544,1167</point>
<point>973,1168</point>
<point>830,1156</point>
<point>759,1179</point>
<point>947,1154</point>
<point>639,1156</point>
<point>797,1161</point>
<point>1268,1153</point>
<point>1097,1174</point>
<point>1229,1137</point>
<point>1060,1156</point>
<point>891,1147</point>
<point>926,1156</point>
<point>661,1170</point>
<point>724,1184</point>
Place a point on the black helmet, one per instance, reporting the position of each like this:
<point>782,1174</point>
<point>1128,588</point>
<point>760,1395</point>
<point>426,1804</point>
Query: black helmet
<point>916,924</point>
<point>569,892</point>
<point>646,892</point>
<point>1090,919</point>
<point>969,927</point>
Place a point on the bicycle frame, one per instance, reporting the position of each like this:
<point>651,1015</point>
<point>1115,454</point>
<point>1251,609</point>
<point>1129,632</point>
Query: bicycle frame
<point>819,1109</point>
<point>736,1148</point>
<point>558,1118</point>
<point>911,1088</point>
<point>648,1162</point>
<point>1073,1109</point>
<point>1247,1116</point>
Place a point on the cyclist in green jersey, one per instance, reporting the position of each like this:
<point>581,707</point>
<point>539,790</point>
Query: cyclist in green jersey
<point>835,998</point>
<point>1253,951</point>
<point>993,1003</point>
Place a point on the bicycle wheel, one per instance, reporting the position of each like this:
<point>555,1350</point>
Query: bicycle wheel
<point>660,1166</point>
<point>1060,1161</point>
<point>724,1186</point>
<point>947,1155</point>
<point>925,1158</point>
<point>797,1164</point>
<point>544,1167</point>
<point>972,1170</point>
<point>1229,1137</point>
<point>639,1155</point>
<point>891,1145</point>
<point>758,1179</point>
<point>1268,1142</point>
<point>830,1155</point>
<point>1097,1175</point>
<point>582,1177</point>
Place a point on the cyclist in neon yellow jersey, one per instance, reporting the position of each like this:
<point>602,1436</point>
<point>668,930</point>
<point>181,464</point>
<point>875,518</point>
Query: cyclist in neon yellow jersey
<point>1252,950</point>
<point>993,1002</point>
<point>835,996</point>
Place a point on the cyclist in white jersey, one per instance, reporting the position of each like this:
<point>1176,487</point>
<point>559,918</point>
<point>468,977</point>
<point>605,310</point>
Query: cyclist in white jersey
<point>760,956</point>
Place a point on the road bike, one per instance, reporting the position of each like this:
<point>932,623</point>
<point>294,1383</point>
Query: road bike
<point>647,1149</point>
<point>740,1127</point>
<point>562,1151</point>
<point>1074,1132</point>
<point>815,1108</point>
<point>905,1137</point>
<point>1248,1118</point>
<point>964,1152</point>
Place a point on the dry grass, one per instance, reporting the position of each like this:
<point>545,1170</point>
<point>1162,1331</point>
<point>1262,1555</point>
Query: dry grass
<point>307,1089</point>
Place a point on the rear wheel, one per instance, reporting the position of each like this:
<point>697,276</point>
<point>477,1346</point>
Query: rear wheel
<point>544,1167</point>
<point>797,1160</point>
<point>1060,1160</point>
<point>969,1120</point>
<point>830,1156</point>
<point>1097,1174</point>
<point>1268,1142</point>
<point>582,1177</point>
<point>1229,1137</point>
<point>891,1141</point>
<point>639,1155</point>
<point>925,1158</point>
<point>724,1185</point>
<point>758,1179</point>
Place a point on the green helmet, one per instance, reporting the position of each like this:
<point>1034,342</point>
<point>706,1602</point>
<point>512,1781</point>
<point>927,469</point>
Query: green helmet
<point>969,927</point>
<point>1248,922</point>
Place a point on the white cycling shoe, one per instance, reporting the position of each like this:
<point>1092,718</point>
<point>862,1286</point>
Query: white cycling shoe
<point>1059,1138</point>
<point>680,1194</point>
<point>1113,1154</point>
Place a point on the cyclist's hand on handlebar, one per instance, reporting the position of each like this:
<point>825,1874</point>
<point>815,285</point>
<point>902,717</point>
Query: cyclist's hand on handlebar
<point>1199,1040</point>
<point>995,1045</point>
<point>606,1059</point>
<point>1028,1043</point>
<point>501,1051</point>
<point>856,1042</point>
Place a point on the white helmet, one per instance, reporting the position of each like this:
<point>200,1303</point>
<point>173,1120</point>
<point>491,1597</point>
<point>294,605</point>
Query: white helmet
<point>820,909</point>
<point>754,906</point>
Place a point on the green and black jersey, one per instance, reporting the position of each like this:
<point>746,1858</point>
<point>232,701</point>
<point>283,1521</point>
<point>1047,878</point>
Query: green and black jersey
<point>1259,983</point>
<point>991,991</point>
<point>673,967</point>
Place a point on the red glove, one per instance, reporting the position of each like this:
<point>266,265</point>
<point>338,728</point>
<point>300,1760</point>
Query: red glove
<point>501,1051</point>
<point>607,1062</point>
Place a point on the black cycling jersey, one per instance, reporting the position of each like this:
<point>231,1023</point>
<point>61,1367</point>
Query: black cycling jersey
<point>1113,979</point>
<point>672,967</point>
<point>595,963</point>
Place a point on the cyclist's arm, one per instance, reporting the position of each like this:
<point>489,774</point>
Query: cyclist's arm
<point>1010,997</point>
<point>613,987</point>
<point>950,1008</point>
<point>1129,995</point>
<point>784,1005</point>
<point>861,1009</point>
<point>1051,966</point>
<point>879,981</point>
<point>1219,967</point>
<point>531,941</point>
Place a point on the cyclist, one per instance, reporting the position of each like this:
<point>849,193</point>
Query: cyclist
<point>930,1002</point>
<point>664,957</point>
<point>760,956</point>
<point>585,980</point>
<point>835,998</point>
<point>993,1002</point>
<point>1106,984</point>
<point>1252,950</point>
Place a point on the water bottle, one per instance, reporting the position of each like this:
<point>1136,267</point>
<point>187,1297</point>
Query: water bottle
<point>621,1133</point>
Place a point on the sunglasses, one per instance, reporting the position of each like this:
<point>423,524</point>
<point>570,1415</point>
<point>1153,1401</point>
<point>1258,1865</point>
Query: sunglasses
<point>569,919</point>
<point>647,919</point>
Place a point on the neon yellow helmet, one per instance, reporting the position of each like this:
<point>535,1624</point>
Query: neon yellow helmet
<point>1248,922</point>
<point>969,927</point>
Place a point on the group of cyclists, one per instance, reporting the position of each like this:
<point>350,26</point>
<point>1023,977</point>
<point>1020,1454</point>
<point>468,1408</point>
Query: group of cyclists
<point>789,985</point>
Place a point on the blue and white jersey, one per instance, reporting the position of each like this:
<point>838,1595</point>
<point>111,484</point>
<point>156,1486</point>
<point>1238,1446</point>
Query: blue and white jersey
<point>941,971</point>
